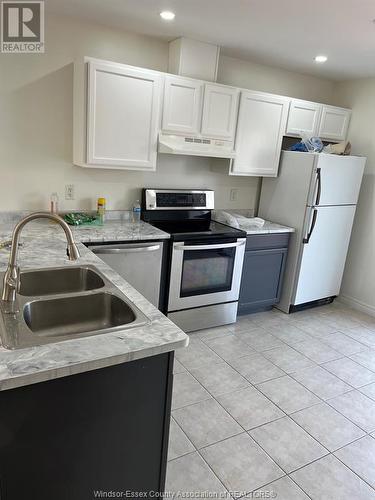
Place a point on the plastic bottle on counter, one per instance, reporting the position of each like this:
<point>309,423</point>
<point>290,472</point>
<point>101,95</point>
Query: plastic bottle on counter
<point>136,212</point>
<point>101,210</point>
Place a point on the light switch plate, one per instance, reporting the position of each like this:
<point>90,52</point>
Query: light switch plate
<point>233,196</point>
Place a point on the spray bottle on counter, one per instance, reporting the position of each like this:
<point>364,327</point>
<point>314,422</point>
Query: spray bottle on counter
<point>101,210</point>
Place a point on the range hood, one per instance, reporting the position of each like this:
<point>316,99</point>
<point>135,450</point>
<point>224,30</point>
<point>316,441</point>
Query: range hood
<point>195,146</point>
<point>196,60</point>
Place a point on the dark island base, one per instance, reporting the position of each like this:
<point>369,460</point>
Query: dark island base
<point>99,431</point>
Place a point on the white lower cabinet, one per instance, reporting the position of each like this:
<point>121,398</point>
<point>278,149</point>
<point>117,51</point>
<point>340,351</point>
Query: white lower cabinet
<point>123,115</point>
<point>260,129</point>
<point>334,123</point>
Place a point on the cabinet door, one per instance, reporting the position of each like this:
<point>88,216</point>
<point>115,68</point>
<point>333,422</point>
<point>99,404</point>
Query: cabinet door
<point>260,129</point>
<point>303,118</point>
<point>182,109</point>
<point>122,116</point>
<point>219,111</point>
<point>334,123</point>
<point>262,275</point>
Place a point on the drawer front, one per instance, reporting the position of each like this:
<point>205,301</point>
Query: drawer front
<point>264,241</point>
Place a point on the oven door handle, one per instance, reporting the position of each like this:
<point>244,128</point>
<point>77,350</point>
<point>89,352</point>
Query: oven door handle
<point>181,246</point>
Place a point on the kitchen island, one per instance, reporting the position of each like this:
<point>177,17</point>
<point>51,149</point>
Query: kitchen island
<point>87,416</point>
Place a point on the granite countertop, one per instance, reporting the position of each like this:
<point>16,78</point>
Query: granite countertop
<point>244,222</point>
<point>113,230</point>
<point>268,228</point>
<point>44,245</point>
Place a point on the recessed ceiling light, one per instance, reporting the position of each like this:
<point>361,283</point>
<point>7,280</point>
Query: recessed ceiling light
<point>320,59</point>
<point>167,15</point>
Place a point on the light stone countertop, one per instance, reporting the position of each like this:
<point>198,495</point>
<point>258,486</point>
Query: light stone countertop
<point>268,228</point>
<point>113,230</point>
<point>44,245</point>
<point>245,223</point>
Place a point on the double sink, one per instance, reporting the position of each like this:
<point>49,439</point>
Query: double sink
<point>65,303</point>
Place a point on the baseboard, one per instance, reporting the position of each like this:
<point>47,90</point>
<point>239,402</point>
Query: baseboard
<point>357,304</point>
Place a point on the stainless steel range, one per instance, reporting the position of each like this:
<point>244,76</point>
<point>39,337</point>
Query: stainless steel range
<point>206,257</point>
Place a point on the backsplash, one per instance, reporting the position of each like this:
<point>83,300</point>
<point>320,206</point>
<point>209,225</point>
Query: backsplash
<point>12,217</point>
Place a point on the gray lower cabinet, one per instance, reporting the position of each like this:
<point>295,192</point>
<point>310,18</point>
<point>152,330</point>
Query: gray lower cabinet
<point>263,271</point>
<point>99,434</point>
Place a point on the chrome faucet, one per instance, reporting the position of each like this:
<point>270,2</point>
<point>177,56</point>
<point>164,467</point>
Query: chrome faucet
<point>12,275</point>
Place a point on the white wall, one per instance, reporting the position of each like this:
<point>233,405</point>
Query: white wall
<point>359,279</point>
<point>255,76</point>
<point>36,121</point>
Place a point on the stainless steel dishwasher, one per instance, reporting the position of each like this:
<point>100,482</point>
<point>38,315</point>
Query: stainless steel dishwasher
<point>140,264</point>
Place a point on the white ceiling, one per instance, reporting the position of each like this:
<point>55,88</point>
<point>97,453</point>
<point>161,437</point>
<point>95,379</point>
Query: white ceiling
<point>283,33</point>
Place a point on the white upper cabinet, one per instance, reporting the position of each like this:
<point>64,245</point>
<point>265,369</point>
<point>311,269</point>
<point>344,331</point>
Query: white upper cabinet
<point>260,129</point>
<point>182,109</point>
<point>123,115</point>
<point>219,111</point>
<point>334,123</point>
<point>119,111</point>
<point>314,119</point>
<point>303,118</point>
<point>194,108</point>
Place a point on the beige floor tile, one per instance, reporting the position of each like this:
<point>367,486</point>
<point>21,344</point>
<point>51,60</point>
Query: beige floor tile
<point>220,378</point>
<point>190,474</point>
<point>250,408</point>
<point>288,444</point>
<point>329,479</point>
<point>360,458</point>
<point>288,394</point>
<point>356,407</point>
<point>328,426</point>
<point>241,464</point>
<point>321,382</point>
<point>206,422</point>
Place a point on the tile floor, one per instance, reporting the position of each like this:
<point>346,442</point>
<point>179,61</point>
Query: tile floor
<point>276,406</point>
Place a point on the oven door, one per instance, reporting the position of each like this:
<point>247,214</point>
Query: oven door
<point>205,273</point>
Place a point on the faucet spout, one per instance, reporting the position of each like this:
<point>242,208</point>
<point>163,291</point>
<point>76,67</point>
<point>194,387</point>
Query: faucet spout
<point>12,274</point>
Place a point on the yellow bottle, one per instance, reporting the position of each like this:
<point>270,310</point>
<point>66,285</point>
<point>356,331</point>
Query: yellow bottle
<point>101,210</point>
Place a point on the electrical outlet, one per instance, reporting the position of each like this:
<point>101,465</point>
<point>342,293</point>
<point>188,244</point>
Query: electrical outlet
<point>233,196</point>
<point>69,192</point>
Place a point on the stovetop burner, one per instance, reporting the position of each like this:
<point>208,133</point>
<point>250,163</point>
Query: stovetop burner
<point>195,229</point>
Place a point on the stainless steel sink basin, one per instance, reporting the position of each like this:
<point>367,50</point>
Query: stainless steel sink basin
<point>74,316</point>
<point>59,280</point>
<point>64,304</point>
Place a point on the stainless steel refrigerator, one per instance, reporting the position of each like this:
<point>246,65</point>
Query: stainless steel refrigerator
<point>316,194</point>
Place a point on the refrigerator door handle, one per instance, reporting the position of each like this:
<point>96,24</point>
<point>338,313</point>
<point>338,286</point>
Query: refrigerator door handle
<point>307,239</point>
<point>319,181</point>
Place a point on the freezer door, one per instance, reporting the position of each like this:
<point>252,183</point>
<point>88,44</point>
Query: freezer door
<point>324,253</point>
<point>336,180</point>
